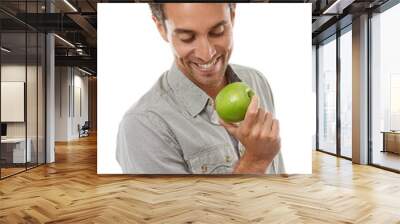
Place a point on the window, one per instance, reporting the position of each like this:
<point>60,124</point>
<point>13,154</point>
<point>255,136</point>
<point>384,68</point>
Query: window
<point>327,96</point>
<point>385,88</point>
<point>346,93</point>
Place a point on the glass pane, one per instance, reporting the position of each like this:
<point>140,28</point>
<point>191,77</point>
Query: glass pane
<point>41,98</point>
<point>346,94</point>
<point>386,89</point>
<point>314,87</point>
<point>327,96</point>
<point>13,86</point>
<point>31,101</point>
<point>22,89</point>
<point>31,86</point>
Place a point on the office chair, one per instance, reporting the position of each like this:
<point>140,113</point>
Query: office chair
<point>84,130</point>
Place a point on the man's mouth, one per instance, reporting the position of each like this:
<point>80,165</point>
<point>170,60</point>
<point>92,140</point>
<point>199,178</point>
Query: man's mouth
<point>207,67</point>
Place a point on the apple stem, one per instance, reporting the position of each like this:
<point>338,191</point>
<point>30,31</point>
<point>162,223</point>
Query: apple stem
<point>250,93</point>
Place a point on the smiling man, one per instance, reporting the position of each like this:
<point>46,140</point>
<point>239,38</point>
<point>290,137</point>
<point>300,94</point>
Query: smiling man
<point>174,129</point>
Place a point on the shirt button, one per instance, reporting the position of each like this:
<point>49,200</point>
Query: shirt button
<point>204,168</point>
<point>241,151</point>
<point>227,159</point>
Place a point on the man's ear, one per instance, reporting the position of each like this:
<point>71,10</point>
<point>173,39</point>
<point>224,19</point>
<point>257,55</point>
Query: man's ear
<point>161,28</point>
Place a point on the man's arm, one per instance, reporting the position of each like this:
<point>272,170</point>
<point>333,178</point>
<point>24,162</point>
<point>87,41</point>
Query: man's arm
<point>145,147</point>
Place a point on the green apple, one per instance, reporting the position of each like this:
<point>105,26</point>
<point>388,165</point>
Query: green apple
<point>232,101</point>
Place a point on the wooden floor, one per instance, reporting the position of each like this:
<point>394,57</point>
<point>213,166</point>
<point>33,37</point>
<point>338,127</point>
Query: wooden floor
<point>10,171</point>
<point>70,191</point>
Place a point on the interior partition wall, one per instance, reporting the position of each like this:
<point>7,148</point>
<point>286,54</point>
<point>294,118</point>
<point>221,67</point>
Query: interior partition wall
<point>22,89</point>
<point>334,110</point>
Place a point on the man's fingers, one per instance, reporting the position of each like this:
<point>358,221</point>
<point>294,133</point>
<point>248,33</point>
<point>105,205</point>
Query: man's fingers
<point>275,128</point>
<point>261,115</point>
<point>253,106</point>
<point>268,123</point>
<point>258,125</point>
<point>252,112</point>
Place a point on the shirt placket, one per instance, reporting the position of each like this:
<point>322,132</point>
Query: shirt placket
<point>212,114</point>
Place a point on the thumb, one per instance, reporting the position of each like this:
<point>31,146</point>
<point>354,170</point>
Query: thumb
<point>231,128</point>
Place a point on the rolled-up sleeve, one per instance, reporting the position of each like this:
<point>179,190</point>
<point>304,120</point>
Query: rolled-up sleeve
<point>144,146</point>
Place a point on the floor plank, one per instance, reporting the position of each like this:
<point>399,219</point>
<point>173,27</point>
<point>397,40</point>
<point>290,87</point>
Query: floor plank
<point>70,191</point>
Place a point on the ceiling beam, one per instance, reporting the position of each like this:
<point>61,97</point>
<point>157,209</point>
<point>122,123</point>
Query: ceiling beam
<point>317,25</point>
<point>84,24</point>
<point>337,6</point>
<point>85,61</point>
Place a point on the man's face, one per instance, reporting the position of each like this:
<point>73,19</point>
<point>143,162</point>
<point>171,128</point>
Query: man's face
<point>201,39</point>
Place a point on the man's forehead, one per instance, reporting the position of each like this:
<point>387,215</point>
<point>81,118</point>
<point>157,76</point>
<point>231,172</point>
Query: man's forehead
<point>193,7</point>
<point>186,15</point>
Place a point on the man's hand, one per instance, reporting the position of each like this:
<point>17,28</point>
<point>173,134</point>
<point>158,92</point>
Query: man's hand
<point>259,134</point>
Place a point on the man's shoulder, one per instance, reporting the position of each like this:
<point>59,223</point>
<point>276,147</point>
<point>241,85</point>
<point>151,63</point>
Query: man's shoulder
<point>146,112</point>
<point>154,100</point>
<point>237,67</point>
<point>246,73</point>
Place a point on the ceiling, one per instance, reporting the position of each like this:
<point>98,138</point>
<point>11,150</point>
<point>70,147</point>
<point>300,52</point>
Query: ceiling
<point>76,22</point>
<point>77,25</point>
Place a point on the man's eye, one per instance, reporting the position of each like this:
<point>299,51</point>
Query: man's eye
<point>217,34</point>
<point>219,31</point>
<point>186,37</point>
<point>187,40</point>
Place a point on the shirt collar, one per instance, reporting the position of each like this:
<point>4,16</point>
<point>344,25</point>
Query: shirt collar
<point>193,98</point>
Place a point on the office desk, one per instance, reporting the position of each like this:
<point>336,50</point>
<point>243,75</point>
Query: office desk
<point>13,150</point>
<point>391,141</point>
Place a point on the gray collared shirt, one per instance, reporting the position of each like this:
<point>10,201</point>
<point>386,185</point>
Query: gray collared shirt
<point>174,129</point>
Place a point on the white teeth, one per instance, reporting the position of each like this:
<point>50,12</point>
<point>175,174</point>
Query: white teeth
<point>208,65</point>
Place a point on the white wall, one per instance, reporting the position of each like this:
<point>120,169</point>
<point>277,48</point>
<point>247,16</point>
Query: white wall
<point>68,81</point>
<point>80,83</point>
<point>61,103</point>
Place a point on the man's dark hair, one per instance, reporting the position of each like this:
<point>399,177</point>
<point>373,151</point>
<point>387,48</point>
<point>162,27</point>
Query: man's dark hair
<point>158,11</point>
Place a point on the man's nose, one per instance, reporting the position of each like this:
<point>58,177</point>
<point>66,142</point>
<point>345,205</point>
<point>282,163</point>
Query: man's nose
<point>205,50</point>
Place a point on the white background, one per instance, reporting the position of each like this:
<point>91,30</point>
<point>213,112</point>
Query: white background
<point>272,38</point>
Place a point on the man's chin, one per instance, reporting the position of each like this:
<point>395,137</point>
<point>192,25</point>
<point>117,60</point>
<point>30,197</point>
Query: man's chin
<point>206,75</point>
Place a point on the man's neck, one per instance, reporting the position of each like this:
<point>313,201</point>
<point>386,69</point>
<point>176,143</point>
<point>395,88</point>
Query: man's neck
<point>213,91</point>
